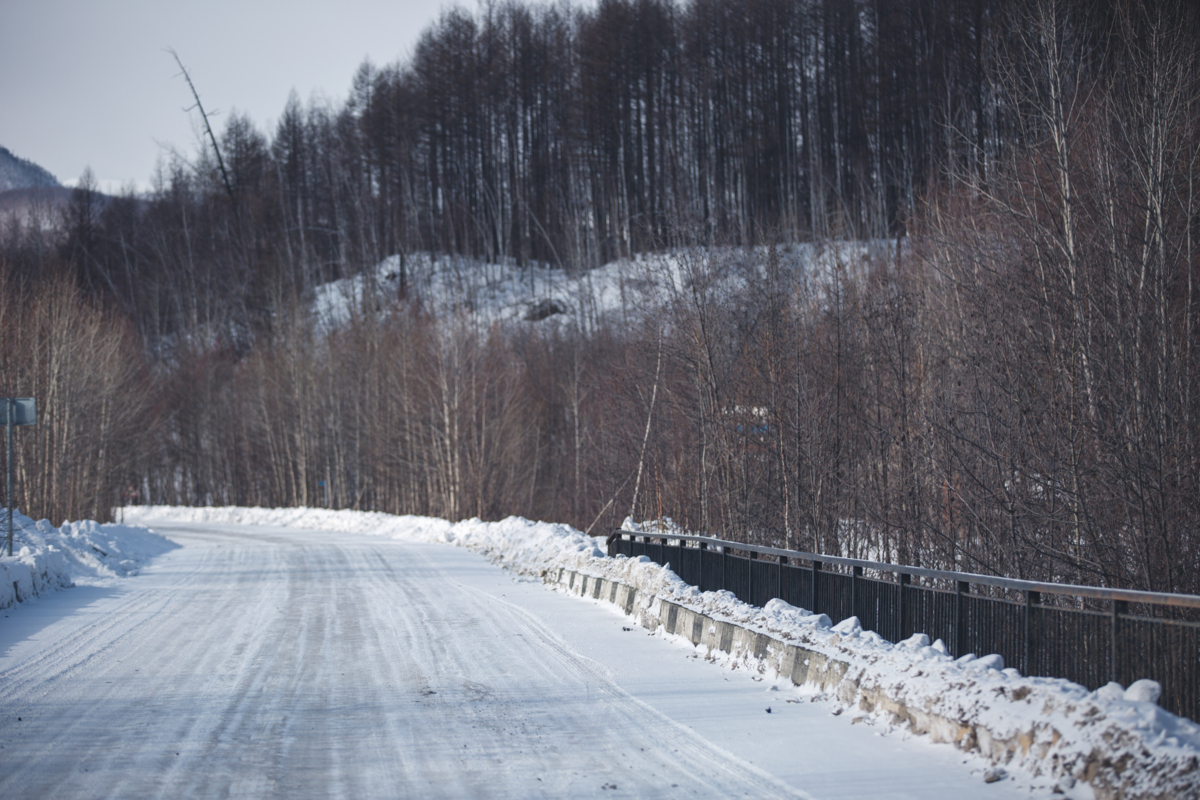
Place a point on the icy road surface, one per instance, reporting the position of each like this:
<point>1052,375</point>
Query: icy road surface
<point>263,661</point>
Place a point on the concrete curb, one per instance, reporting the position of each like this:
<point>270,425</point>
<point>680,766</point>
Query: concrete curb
<point>805,667</point>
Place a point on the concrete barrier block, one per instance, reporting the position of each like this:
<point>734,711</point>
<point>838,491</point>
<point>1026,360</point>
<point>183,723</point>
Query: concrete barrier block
<point>779,656</point>
<point>685,622</point>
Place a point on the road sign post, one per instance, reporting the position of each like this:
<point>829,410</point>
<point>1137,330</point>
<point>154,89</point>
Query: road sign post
<point>17,411</point>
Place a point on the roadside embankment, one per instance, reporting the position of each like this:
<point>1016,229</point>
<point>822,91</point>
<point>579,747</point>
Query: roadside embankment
<point>1115,739</point>
<point>46,558</point>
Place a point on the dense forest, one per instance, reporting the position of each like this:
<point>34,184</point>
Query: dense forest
<point>1007,382</point>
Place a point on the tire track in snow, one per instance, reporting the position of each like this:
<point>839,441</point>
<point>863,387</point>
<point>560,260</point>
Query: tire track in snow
<point>263,663</point>
<point>561,695</point>
<point>699,754</point>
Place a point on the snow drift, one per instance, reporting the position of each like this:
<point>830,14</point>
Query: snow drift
<point>46,558</point>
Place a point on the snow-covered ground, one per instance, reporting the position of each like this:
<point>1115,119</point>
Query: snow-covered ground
<point>1057,729</point>
<point>489,293</point>
<point>263,660</point>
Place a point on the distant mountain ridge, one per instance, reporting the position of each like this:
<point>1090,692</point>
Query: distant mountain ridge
<point>19,173</point>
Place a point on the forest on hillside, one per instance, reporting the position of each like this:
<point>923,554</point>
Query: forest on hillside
<point>1007,383</point>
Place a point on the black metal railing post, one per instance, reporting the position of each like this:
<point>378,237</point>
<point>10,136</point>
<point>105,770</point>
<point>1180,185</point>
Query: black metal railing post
<point>855,574</point>
<point>1119,607</point>
<point>816,572</point>
<point>1032,601</point>
<point>703,547</point>
<point>960,617</point>
<point>724,566</point>
<point>750,576</point>
<point>779,577</point>
<point>903,581</point>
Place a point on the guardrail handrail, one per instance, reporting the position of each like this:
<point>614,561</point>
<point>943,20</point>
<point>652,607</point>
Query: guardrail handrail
<point>1098,592</point>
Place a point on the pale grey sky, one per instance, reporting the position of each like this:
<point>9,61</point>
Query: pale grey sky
<point>88,82</point>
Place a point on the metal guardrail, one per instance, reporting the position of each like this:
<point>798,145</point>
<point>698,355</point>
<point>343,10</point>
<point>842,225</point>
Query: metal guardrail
<point>1087,634</point>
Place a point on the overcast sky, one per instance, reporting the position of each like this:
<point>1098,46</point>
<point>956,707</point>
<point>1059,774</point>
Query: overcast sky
<point>87,82</point>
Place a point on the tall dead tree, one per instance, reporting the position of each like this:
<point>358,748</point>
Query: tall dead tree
<point>207,127</point>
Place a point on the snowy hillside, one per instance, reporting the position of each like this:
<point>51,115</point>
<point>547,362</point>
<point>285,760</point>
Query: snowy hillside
<point>619,291</point>
<point>18,173</point>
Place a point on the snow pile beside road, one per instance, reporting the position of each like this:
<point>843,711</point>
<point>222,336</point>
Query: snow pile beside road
<point>1115,739</point>
<point>1057,732</point>
<point>369,522</point>
<point>46,558</point>
<point>515,542</point>
<point>524,546</point>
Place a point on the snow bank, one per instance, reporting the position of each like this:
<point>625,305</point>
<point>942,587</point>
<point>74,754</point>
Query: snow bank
<point>1116,739</point>
<point>1056,732</point>
<point>516,542</point>
<point>46,558</point>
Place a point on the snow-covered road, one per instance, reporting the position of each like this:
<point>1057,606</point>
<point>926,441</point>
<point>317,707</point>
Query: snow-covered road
<point>260,661</point>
